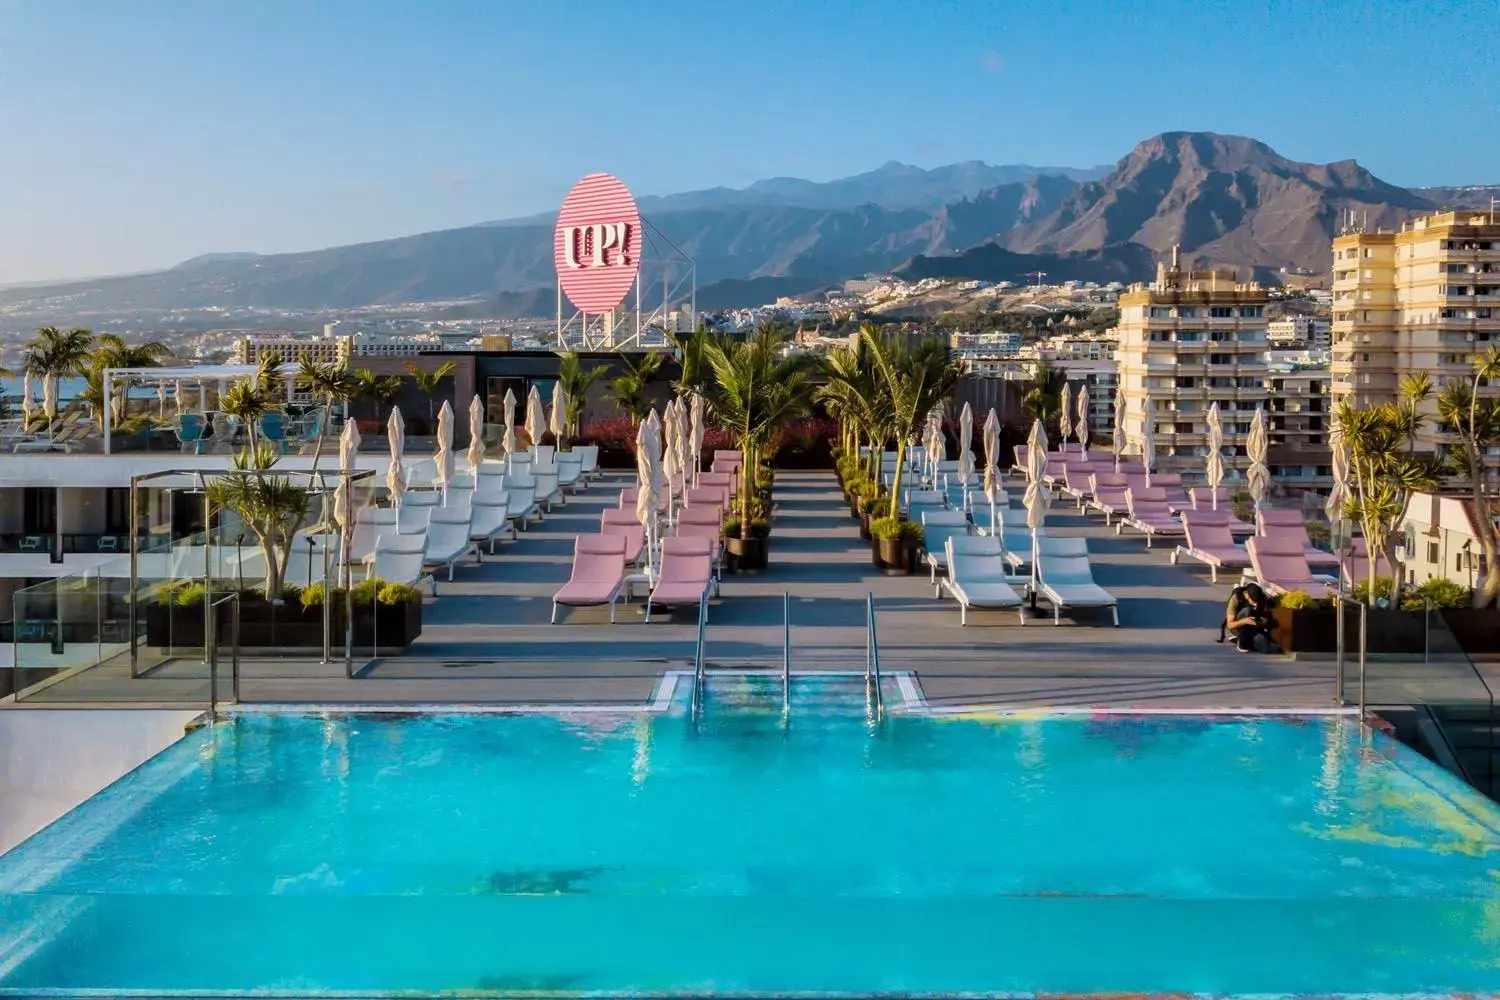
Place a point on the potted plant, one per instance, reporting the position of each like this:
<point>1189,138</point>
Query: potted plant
<point>1304,623</point>
<point>914,380</point>
<point>755,390</point>
<point>896,542</point>
<point>749,546</point>
<point>387,616</point>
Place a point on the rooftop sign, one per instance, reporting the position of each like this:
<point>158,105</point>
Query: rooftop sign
<point>597,243</point>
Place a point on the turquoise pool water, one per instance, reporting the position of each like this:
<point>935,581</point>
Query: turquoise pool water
<point>601,853</point>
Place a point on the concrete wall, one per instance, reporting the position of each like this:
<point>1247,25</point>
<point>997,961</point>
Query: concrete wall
<point>53,760</point>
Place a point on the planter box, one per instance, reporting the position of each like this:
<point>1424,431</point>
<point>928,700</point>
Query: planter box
<point>748,555</point>
<point>288,627</point>
<point>1313,631</point>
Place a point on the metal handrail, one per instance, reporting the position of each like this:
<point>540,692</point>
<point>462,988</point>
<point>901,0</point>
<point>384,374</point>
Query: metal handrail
<point>1340,601</point>
<point>786,653</point>
<point>233,600</point>
<point>699,673</point>
<point>873,694</point>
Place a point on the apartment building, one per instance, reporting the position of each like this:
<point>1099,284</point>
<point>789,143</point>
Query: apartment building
<point>1188,339</point>
<point>1298,406</point>
<point>292,349</point>
<point>1440,535</point>
<point>1424,299</point>
<point>1299,331</point>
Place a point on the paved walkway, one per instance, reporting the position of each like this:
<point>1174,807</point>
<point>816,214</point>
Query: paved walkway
<point>487,638</point>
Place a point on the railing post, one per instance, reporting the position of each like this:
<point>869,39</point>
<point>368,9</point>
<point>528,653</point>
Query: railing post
<point>212,639</point>
<point>786,653</point>
<point>1338,650</point>
<point>1364,618</point>
<point>234,649</point>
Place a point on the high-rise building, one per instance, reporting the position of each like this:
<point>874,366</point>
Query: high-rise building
<point>1298,331</point>
<point>1187,340</point>
<point>292,349</point>
<point>1424,299</point>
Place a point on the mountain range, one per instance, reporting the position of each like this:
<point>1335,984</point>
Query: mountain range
<point>1228,199</point>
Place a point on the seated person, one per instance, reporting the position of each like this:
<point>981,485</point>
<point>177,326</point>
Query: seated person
<point>1247,617</point>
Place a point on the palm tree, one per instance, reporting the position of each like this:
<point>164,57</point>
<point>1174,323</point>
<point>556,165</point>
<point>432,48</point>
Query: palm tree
<point>755,391</point>
<point>380,390</point>
<point>112,351</point>
<point>1043,397</point>
<point>629,390</point>
<point>852,393</point>
<point>330,384</point>
<point>1383,474</point>
<point>691,354</point>
<point>576,382</point>
<point>1475,419</point>
<point>1414,390</point>
<point>271,507</point>
<point>52,354</point>
<point>915,380</point>
<point>429,383</point>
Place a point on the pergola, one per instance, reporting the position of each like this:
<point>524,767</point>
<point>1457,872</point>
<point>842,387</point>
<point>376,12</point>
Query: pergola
<point>199,374</point>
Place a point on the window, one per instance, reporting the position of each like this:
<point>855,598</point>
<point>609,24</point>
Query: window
<point>1221,312</point>
<point>1186,312</point>
<point>1187,382</point>
<point>1252,312</point>
<point>1458,562</point>
<point>1159,312</point>
<point>1432,553</point>
<point>39,510</point>
<point>1188,336</point>
<point>1221,359</point>
<point>117,510</point>
<point>1183,428</point>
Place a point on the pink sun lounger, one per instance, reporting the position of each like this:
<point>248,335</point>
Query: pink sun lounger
<point>1209,542</point>
<point>686,573</point>
<point>598,574</point>
<point>1280,566</point>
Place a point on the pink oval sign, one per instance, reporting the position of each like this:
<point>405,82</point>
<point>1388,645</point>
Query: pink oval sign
<point>597,243</point>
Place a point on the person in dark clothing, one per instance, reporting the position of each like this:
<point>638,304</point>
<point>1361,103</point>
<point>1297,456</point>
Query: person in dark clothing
<point>1247,617</point>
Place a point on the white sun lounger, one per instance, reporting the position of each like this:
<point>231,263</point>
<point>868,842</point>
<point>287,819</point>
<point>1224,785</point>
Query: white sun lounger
<point>491,519</point>
<point>399,559</point>
<point>448,538</point>
<point>937,527</point>
<point>1068,581</point>
<point>977,577</point>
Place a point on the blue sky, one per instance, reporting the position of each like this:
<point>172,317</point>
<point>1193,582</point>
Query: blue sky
<point>137,134</point>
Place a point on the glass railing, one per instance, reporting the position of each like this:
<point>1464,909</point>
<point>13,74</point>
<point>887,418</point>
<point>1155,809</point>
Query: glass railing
<point>1417,672</point>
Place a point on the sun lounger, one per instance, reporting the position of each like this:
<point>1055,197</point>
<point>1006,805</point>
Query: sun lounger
<point>1204,498</point>
<point>448,539</point>
<point>518,462</point>
<point>543,454</point>
<point>1110,495</point>
<point>713,497</point>
<point>1290,523</point>
<point>622,522</point>
<point>1053,471</point>
<point>937,527</point>
<point>1018,465</point>
<point>598,574</point>
<point>702,514</point>
<point>1075,481</point>
<point>415,512</point>
<point>589,460</point>
<point>1356,568</point>
<point>1060,545</point>
<point>1210,542</point>
<point>369,524</point>
<point>727,460</point>
<point>1279,565</point>
<point>520,495</point>
<point>490,520</point>
<point>1149,514</point>
<point>570,471</point>
<point>401,559</point>
<point>546,478</point>
<point>686,573</point>
<point>1068,581</point>
<point>712,532</point>
<point>976,576</point>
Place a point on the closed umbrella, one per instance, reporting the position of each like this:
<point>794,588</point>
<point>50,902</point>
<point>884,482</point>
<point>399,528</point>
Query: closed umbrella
<point>1147,438</point>
<point>395,435</point>
<point>1256,445</point>
<point>476,434</point>
<point>1065,418</point>
<point>647,472</point>
<point>26,403</point>
<point>965,451</point>
<point>443,461</point>
<point>1082,429</point>
<point>991,453</point>
<point>509,441</point>
<point>935,445</point>
<point>1215,468</point>
<point>49,396</point>
<point>669,461</point>
<point>1119,430</point>
<point>684,441</point>
<point>161,402</point>
<point>177,395</point>
<point>343,503</point>
<point>536,418</point>
<point>117,401</point>
<point>697,436</point>
<point>558,422</point>
<point>1038,498</point>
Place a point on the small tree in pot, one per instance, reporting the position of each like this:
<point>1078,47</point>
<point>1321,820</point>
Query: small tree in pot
<point>755,390</point>
<point>914,380</point>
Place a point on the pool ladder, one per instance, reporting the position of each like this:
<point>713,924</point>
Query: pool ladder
<point>874,699</point>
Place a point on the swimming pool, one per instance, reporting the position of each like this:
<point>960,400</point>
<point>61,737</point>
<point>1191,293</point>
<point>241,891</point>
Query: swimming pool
<point>600,853</point>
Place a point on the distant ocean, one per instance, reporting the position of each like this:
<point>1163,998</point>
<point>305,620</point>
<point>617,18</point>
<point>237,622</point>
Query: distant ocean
<point>67,390</point>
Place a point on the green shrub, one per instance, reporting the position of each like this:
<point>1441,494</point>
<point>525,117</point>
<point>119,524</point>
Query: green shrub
<point>1384,590</point>
<point>1301,600</point>
<point>398,593</point>
<point>312,596</point>
<point>189,594</point>
<point>366,591</point>
<point>1444,593</point>
<point>759,528</point>
<point>890,527</point>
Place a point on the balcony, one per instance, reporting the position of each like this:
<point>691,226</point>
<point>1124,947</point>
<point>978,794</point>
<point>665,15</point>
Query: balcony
<point>72,542</point>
